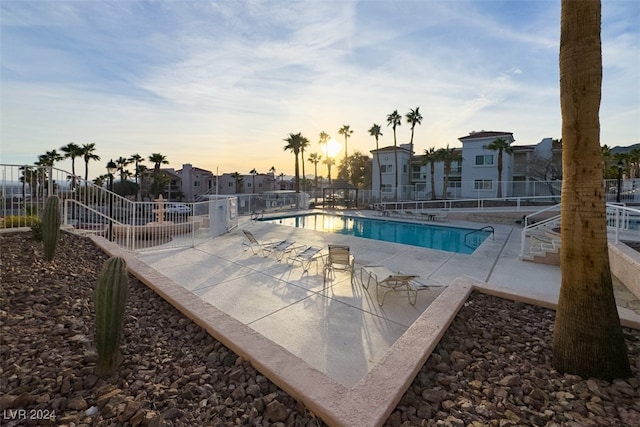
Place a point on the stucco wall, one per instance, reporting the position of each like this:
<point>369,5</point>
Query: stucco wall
<point>625,265</point>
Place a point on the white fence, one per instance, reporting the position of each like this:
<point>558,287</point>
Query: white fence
<point>136,226</point>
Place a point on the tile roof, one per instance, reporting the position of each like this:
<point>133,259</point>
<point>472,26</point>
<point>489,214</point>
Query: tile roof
<point>484,134</point>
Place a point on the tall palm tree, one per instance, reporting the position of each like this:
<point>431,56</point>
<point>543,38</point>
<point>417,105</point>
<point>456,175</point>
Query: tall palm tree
<point>253,173</point>
<point>431,156</point>
<point>413,118</point>
<point>122,163</point>
<point>272,169</point>
<point>304,142</point>
<point>49,158</point>
<point>501,146</point>
<point>347,132</point>
<point>294,142</point>
<point>447,156</point>
<point>315,159</point>
<point>587,336</point>
<point>634,157</point>
<point>375,132</point>
<point>136,159</point>
<point>158,182</point>
<point>71,151</point>
<point>239,181</point>
<point>88,155</point>
<point>394,120</point>
<point>158,159</point>
<point>329,161</point>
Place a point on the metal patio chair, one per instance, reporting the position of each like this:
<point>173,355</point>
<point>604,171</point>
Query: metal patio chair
<point>339,259</point>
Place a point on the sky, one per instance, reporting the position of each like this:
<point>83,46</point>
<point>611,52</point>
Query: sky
<point>222,84</point>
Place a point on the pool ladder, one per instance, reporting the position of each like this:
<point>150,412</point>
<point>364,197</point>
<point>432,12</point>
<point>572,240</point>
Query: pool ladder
<point>485,228</point>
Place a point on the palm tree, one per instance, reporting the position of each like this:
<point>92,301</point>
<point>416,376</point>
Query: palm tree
<point>122,163</point>
<point>347,132</point>
<point>500,145</point>
<point>394,120</point>
<point>431,156</point>
<point>315,159</point>
<point>88,154</point>
<point>375,132</point>
<point>634,157</point>
<point>253,173</point>
<point>587,336</point>
<point>272,169</point>
<point>293,144</point>
<point>304,142</point>
<point>447,156</point>
<point>158,159</point>
<point>158,183</point>
<point>329,161</point>
<point>49,158</point>
<point>239,181</point>
<point>71,151</point>
<point>414,118</point>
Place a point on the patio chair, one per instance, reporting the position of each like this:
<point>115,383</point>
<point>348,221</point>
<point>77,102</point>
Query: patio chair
<point>442,215</point>
<point>339,259</point>
<point>279,248</point>
<point>388,281</point>
<point>305,256</point>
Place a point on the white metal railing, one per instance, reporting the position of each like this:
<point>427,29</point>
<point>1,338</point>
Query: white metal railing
<point>623,219</point>
<point>94,209</point>
<point>512,203</point>
<point>620,219</point>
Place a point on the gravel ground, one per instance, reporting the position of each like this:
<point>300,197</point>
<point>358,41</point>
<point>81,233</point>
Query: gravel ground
<point>492,367</point>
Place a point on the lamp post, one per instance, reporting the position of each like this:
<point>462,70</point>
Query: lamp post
<point>111,169</point>
<point>620,165</point>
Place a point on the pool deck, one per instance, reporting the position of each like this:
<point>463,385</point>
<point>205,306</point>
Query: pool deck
<point>331,345</point>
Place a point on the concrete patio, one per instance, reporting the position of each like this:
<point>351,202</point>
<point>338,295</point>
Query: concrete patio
<point>331,345</point>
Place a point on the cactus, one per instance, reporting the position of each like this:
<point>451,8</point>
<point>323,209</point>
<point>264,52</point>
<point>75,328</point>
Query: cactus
<point>110,297</point>
<point>50,226</point>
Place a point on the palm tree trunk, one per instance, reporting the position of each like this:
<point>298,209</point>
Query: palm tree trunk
<point>433,180</point>
<point>379,172</point>
<point>499,193</point>
<point>587,338</point>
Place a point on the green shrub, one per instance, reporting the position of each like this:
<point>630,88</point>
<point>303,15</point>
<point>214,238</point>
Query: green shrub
<point>16,221</point>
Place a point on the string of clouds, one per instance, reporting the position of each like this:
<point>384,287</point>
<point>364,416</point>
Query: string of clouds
<point>221,84</point>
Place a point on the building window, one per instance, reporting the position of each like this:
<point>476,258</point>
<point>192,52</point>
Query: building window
<point>196,183</point>
<point>404,168</point>
<point>484,160</point>
<point>483,184</point>
<point>456,167</point>
<point>416,173</point>
<point>386,168</point>
<point>230,184</point>
<point>385,188</point>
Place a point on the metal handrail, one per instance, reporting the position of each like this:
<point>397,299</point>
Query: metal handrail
<point>486,227</point>
<point>621,220</point>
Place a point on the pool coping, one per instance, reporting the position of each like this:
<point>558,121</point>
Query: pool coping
<point>373,398</point>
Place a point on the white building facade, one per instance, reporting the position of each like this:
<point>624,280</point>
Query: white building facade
<point>480,165</point>
<point>527,170</point>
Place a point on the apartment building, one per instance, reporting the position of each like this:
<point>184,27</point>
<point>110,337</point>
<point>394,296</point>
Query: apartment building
<point>526,170</point>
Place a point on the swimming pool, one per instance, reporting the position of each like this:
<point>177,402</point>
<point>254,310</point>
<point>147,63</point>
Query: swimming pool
<point>451,239</point>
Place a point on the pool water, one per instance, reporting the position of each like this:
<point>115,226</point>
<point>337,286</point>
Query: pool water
<point>451,239</point>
